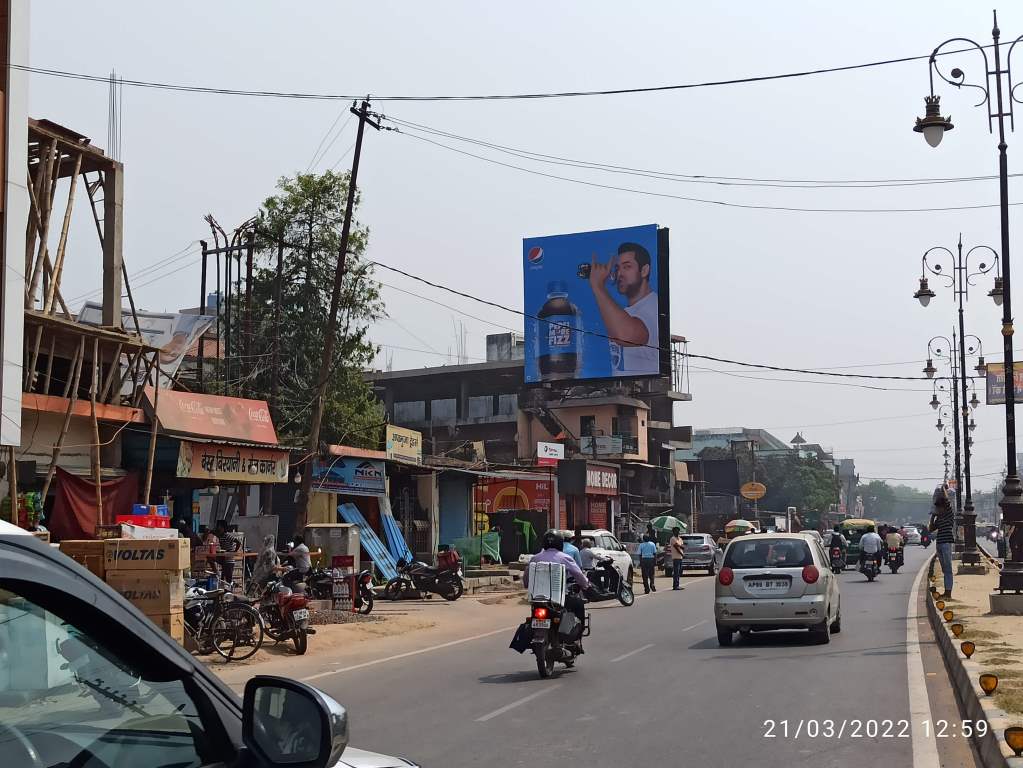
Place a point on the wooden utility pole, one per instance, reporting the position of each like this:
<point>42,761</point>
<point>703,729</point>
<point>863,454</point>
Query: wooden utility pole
<point>275,364</point>
<point>326,363</point>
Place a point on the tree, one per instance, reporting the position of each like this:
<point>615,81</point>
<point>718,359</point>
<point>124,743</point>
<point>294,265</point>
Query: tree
<point>801,482</point>
<point>878,500</point>
<point>304,219</point>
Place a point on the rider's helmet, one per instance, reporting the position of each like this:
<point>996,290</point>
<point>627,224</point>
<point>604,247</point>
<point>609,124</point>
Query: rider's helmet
<point>553,540</point>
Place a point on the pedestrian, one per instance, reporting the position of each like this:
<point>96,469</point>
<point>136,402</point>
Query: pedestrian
<point>651,533</point>
<point>230,545</point>
<point>677,547</point>
<point>943,525</point>
<point>648,564</point>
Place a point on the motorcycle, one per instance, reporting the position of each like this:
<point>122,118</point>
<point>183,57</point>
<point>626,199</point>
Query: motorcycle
<point>925,540</point>
<point>326,584</point>
<point>870,568</point>
<point>837,560</point>
<point>609,584</point>
<point>553,633</point>
<point>285,613</point>
<point>417,578</point>
<point>895,558</point>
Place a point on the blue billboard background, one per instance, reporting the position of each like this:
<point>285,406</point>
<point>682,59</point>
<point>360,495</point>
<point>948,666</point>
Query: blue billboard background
<point>569,340</point>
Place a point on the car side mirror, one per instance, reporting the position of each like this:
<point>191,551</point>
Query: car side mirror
<point>285,722</point>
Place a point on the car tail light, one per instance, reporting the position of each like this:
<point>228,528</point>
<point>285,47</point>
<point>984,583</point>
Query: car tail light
<point>540,613</point>
<point>811,574</point>
<point>704,548</point>
<point>726,576</point>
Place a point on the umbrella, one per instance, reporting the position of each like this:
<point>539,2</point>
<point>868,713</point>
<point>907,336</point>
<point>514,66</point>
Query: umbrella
<point>667,522</point>
<point>738,526</point>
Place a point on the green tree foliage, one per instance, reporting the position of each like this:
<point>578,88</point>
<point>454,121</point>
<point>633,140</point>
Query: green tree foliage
<point>801,482</point>
<point>305,218</point>
<point>878,500</point>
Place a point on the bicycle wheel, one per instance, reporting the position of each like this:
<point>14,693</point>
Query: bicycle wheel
<point>237,632</point>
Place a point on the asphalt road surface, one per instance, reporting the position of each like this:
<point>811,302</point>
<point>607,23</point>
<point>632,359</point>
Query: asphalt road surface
<point>655,689</point>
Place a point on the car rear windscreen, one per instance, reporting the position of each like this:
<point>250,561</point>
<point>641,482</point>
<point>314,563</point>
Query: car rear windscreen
<point>693,541</point>
<point>765,552</point>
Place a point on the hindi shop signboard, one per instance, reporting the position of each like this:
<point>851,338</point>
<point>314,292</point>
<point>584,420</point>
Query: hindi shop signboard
<point>404,444</point>
<point>549,454</point>
<point>228,463</point>
<point>350,475</point>
<point>996,382</point>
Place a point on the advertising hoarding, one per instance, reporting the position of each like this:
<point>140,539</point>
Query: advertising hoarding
<point>222,418</point>
<point>996,382</point>
<point>405,444</point>
<point>549,454</point>
<point>596,304</point>
<point>352,476</point>
<point>497,495</point>
<point>242,464</point>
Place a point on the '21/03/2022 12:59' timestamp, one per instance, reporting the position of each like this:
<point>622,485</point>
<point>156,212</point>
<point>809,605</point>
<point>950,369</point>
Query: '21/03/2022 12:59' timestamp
<point>872,729</point>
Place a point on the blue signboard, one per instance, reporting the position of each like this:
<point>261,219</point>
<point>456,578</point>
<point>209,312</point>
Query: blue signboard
<point>596,304</point>
<point>352,476</point>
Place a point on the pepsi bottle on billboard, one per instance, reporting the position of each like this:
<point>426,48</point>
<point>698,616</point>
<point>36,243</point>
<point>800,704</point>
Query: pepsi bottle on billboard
<point>559,341</point>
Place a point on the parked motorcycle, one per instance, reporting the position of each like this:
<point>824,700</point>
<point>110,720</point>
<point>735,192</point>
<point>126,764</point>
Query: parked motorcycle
<point>609,584</point>
<point>870,568</point>
<point>416,578</point>
<point>895,558</point>
<point>326,584</point>
<point>285,613</point>
<point>553,633</point>
<point>838,562</point>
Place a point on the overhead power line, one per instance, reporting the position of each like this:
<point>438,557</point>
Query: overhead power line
<point>223,91</point>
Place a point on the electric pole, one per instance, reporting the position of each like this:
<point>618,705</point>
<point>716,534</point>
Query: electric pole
<point>326,363</point>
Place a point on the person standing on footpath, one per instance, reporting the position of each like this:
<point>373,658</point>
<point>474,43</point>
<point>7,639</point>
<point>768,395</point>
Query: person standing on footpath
<point>943,526</point>
<point>677,548</point>
<point>648,564</point>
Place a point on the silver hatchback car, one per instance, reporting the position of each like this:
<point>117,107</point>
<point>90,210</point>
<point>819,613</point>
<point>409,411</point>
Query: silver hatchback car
<point>776,581</point>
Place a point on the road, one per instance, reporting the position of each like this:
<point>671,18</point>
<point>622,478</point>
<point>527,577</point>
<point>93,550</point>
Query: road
<point>654,688</point>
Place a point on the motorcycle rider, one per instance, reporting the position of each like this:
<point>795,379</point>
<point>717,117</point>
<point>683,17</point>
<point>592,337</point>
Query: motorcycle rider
<point>893,540</point>
<point>870,546</point>
<point>553,553</point>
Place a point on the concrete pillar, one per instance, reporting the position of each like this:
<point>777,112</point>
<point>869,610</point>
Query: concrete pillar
<point>113,244</point>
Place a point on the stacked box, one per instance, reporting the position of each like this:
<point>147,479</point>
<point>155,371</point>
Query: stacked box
<point>86,552</point>
<point>149,574</point>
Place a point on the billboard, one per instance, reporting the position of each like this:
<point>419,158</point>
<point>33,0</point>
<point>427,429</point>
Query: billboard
<point>216,416</point>
<point>497,495</point>
<point>996,382</point>
<point>596,304</point>
<point>350,475</point>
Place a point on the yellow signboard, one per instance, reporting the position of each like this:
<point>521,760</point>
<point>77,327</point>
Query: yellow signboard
<point>230,463</point>
<point>753,491</point>
<point>404,444</point>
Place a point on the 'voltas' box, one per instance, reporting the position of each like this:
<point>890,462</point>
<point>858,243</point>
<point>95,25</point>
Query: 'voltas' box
<point>147,554</point>
<point>171,623</point>
<point>88,553</point>
<point>150,591</point>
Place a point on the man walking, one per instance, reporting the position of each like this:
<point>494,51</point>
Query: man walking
<point>647,564</point>
<point>677,548</point>
<point>943,526</point>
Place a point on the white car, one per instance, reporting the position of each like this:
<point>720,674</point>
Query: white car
<point>776,581</point>
<point>606,545</point>
<point>910,534</point>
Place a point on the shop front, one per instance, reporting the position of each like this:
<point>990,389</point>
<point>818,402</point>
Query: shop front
<point>516,505</point>
<point>589,493</point>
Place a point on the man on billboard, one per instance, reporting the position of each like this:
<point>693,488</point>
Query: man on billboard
<point>632,328</point>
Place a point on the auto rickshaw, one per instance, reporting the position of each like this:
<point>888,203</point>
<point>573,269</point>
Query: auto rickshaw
<point>853,529</point>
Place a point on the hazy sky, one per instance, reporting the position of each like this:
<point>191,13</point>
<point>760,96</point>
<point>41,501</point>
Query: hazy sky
<point>788,288</point>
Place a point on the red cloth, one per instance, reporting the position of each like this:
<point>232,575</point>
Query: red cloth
<point>74,514</point>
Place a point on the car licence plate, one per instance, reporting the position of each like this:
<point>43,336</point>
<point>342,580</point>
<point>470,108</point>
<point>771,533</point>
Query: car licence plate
<point>541,623</point>
<point>300,615</point>
<point>768,586</point>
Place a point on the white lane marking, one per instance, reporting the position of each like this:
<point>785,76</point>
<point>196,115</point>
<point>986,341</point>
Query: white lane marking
<point>694,626</point>
<point>925,750</point>
<point>517,703</point>
<point>624,656</point>
<point>407,654</point>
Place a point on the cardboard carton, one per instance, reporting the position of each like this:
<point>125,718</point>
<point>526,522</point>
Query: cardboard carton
<point>147,554</point>
<point>88,553</point>
<point>156,592</point>
<point>172,623</point>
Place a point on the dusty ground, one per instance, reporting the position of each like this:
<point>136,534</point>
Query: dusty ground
<point>999,639</point>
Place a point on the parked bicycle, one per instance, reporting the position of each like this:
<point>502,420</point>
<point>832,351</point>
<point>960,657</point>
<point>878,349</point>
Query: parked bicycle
<point>230,627</point>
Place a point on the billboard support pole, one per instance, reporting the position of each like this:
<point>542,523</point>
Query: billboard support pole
<point>202,311</point>
<point>330,333</point>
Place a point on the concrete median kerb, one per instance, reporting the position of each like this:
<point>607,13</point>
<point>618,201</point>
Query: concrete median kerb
<point>964,673</point>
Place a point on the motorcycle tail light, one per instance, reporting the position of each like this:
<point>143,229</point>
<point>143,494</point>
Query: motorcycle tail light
<point>811,574</point>
<point>540,613</point>
<point>366,578</point>
<point>726,576</point>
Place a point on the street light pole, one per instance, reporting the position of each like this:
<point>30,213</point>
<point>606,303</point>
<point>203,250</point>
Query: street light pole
<point>933,126</point>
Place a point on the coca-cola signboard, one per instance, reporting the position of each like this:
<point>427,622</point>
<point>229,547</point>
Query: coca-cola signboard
<point>223,418</point>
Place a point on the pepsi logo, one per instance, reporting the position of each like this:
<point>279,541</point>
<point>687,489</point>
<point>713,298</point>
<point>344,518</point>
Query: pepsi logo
<point>535,254</point>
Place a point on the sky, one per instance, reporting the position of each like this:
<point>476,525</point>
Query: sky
<point>796,289</point>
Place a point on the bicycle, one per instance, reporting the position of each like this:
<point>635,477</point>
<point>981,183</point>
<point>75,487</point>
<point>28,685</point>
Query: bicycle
<point>225,626</point>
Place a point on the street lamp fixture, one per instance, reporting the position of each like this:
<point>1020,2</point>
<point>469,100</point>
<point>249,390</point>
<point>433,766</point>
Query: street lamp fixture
<point>929,369</point>
<point>940,425</point>
<point>981,366</point>
<point>935,402</point>
<point>924,294</point>
<point>945,443</point>
<point>932,125</point>
<point>974,402</point>
<point>996,293</point>
<point>973,425</point>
